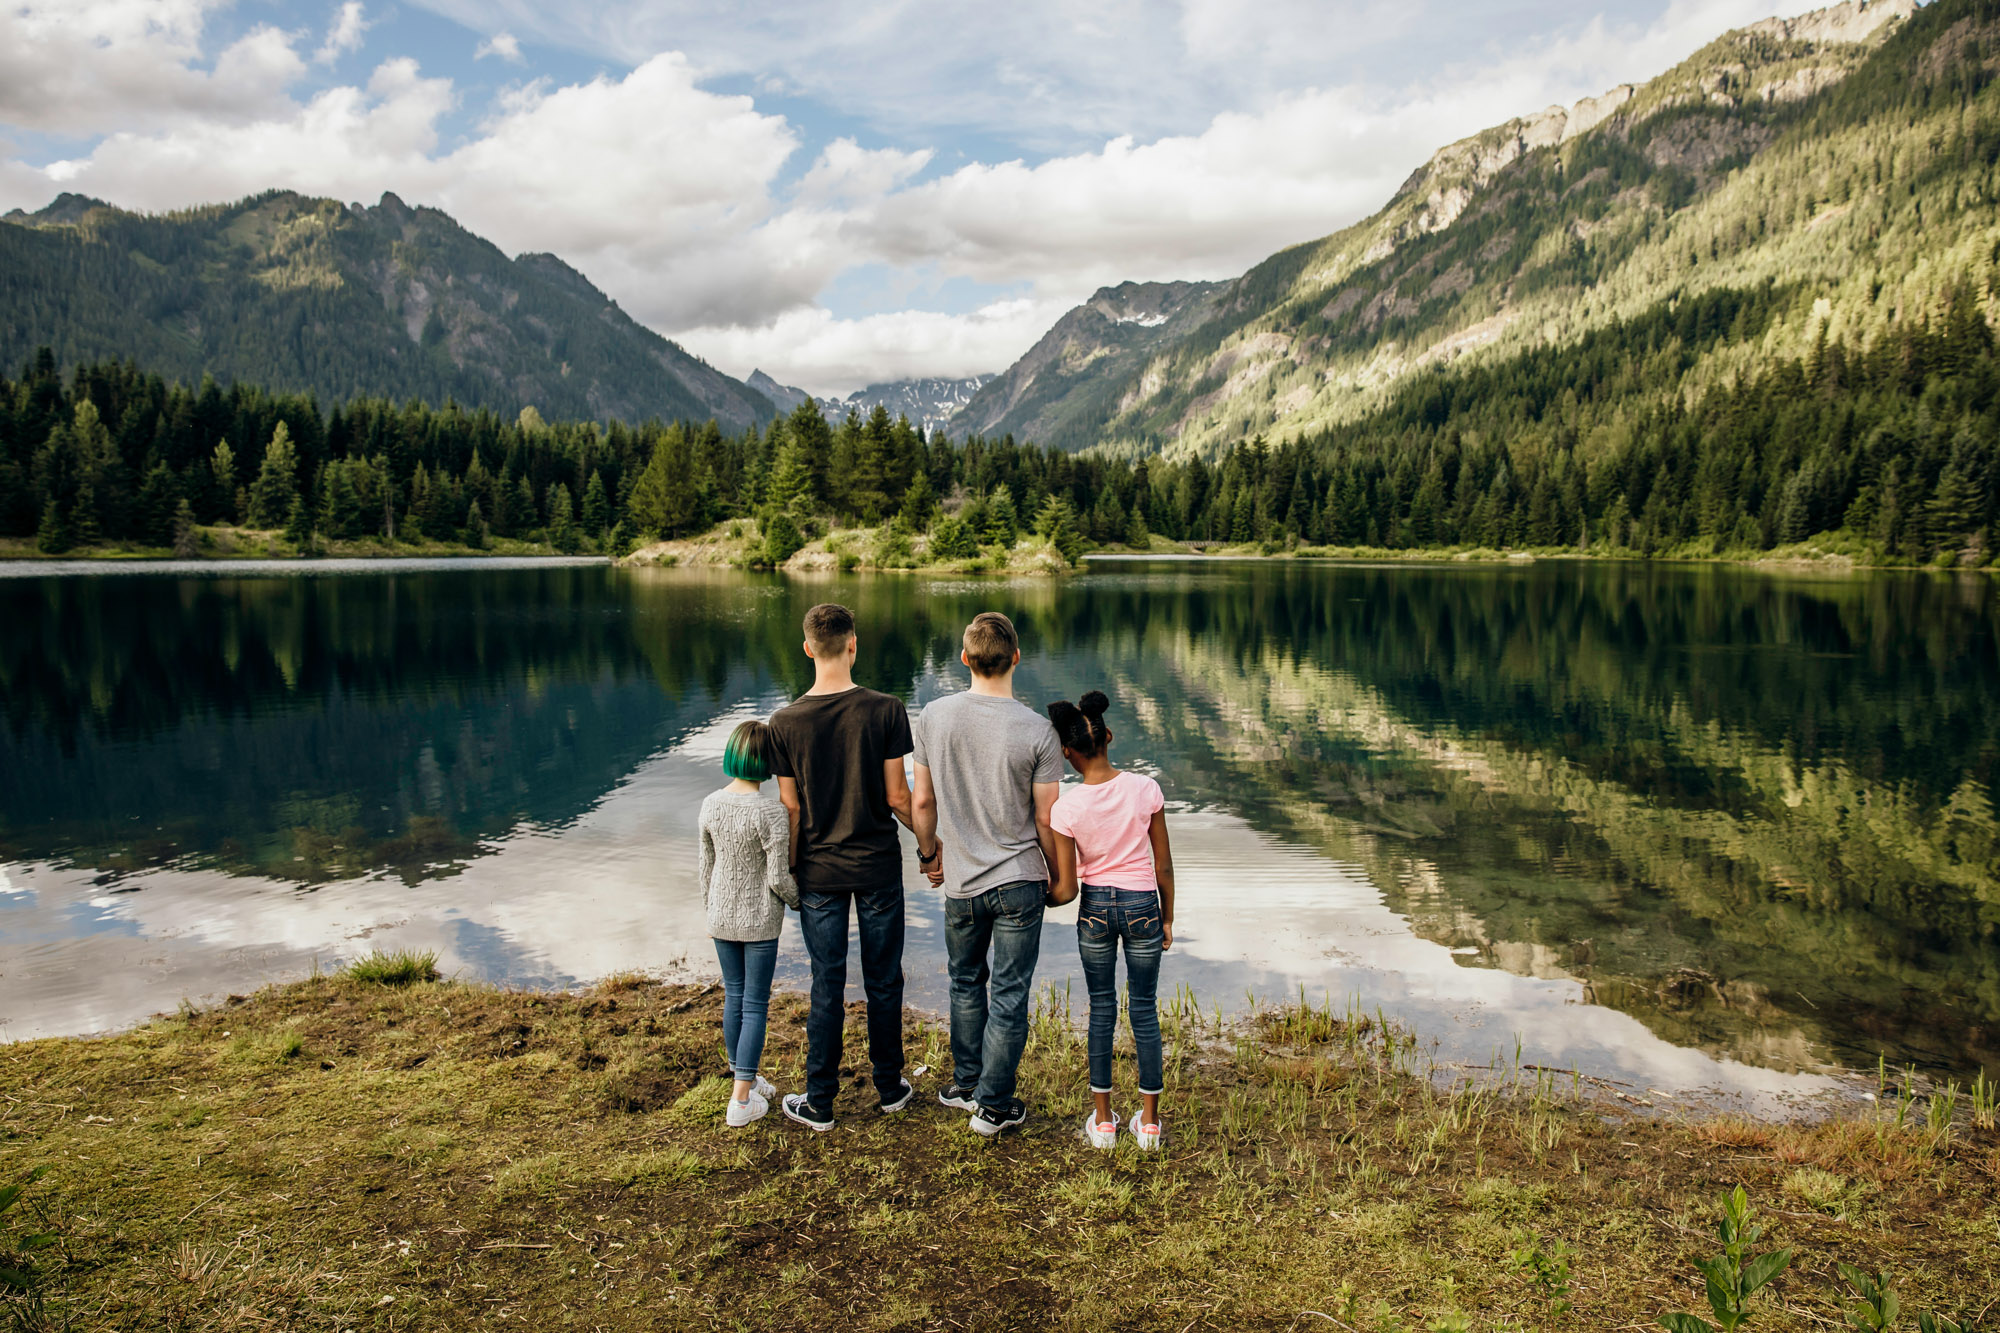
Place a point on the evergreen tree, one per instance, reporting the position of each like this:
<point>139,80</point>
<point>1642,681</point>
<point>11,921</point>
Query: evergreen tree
<point>561,525</point>
<point>222,489</point>
<point>1003,527</point>
<point>1056,521</point>
<point>475,527</point>
<point>918,502</point>
<point>782,538</point>
<point>952,539</point>
<point>52,538</point>
<point>298,524</point>
<point>185,541</point>
<point>596,507</point>
<point>277,484</point>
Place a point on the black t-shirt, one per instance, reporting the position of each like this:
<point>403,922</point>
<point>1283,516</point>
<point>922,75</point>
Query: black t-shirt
<point>834,747</point>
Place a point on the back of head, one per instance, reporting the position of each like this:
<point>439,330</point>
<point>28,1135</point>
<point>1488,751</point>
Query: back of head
<point>828,628</point>
<point>1080,725</point>
<point>990,644</point>
<point>747,754</point>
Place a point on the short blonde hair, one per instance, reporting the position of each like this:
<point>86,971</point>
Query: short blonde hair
<point>990,644</point>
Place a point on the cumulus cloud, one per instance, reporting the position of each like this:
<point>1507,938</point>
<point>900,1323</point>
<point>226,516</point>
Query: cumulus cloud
<point>502,44</point>
<point>676,199</point>
<point>345,34</point>
<point>78,67</point>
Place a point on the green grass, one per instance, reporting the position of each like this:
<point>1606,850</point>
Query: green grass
<point>401,968</point>
<point>339,1154</point>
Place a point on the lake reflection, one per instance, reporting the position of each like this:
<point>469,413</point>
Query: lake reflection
<point>1686,827</point>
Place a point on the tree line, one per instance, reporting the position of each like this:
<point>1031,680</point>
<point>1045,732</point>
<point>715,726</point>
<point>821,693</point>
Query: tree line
<point>1890,445</point>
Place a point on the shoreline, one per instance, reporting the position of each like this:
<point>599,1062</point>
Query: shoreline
<point>338,1152</point>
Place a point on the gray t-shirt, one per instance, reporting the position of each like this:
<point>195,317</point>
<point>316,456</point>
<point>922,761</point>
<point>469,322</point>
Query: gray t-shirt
<point>985,755</point>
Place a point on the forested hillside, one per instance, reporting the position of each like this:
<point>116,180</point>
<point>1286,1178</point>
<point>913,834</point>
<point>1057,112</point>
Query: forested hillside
<point>1883,451</point>
<point>1842,161</point>
<point>311,295</point>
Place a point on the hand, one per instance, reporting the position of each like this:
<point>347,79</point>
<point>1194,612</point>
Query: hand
<point>934,870</point>
<point>1166,935</point>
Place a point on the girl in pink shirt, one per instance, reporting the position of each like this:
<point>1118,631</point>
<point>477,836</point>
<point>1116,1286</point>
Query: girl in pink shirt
<point>1111,839</point>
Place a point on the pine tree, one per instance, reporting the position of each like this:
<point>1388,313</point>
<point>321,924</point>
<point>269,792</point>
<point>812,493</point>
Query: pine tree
<point>561,526</point>
<point>596,508</point>
<point>298,524</point>
<point>52,538</point>
<point>475,527</point>
<point>1136,536</point>
<point>185,539</point>
<point>1003,527</point>
<point>782,538</point>
<point>918,502</point>
<point>952,539</point>
<point>222,479</point>
<point>790,485</point>
<point>277,484</point>
<point>1056,521</point>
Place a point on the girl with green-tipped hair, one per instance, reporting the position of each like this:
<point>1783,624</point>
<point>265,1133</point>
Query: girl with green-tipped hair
<point>746,884</point>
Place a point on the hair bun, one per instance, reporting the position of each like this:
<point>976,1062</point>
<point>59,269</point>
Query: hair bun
<point>1093,704</point>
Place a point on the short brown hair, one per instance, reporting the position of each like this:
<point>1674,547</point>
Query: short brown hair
<point>828,628</point>
<point>990,643</point>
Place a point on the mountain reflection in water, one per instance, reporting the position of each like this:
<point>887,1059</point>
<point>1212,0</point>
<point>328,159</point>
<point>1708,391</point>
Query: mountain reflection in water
<point>1684,826</point>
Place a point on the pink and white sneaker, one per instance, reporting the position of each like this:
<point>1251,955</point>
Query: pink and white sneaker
<point>1101,1135</point>
<point>1148,1137</point>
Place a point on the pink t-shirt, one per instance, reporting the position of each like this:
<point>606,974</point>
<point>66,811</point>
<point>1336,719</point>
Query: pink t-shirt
<point>1109,822</point>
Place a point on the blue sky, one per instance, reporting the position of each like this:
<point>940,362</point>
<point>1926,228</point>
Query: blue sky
<point>838,192</point>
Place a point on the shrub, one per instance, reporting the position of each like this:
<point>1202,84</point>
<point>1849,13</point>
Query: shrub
<point>953,539</point>
<point>782,538</point>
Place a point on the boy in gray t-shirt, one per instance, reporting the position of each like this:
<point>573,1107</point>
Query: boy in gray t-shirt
<point>988,768</point>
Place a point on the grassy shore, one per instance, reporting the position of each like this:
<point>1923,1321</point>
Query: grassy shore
<point>348,1154</point>
<point>223,543</point>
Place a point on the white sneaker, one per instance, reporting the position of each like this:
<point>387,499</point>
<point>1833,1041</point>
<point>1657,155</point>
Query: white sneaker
<point>1148,1137</point>
<point>743,1112</point>
<point>762,1087</point>
<point>1101,1135</point>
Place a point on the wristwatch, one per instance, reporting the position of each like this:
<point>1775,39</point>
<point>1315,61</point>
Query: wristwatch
<point>936,852</point>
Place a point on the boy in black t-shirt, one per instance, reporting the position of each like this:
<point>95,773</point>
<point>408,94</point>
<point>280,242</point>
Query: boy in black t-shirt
<point>837,752</point>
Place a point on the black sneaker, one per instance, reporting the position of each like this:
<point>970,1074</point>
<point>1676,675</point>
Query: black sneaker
<point>798,1108</point>
<point>992,1119</point>
<point>887,1107</point>
<point>959,1097</point>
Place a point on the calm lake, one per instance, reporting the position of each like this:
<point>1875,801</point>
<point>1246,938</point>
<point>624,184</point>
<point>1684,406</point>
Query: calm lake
<point>1681,827</point>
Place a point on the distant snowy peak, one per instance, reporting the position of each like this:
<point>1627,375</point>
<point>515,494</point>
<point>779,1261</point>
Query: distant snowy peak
<point>930,403</point>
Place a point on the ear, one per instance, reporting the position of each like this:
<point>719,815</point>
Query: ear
<point>1017,657</point>
<point>808,647</point>
<point>964,660</point>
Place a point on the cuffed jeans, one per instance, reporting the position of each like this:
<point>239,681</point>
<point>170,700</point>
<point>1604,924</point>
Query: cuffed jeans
<point>988,1032</point>
<point>1106,917</point>
<point>747,966</point>
<point>878,913</point>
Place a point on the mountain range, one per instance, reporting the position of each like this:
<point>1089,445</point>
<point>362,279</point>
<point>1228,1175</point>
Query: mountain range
<point>304,294</point>
<point>1825,152</point>
<point>931,403</point>
<point>1841,163</point>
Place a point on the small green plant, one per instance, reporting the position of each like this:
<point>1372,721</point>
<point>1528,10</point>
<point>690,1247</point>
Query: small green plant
<point>1734,1276</point>
<point>1549,1267</point>
<point>16,1274</point>
<point>1876,1308</point>
<point>1943,1109</point>
<point>401,968</point>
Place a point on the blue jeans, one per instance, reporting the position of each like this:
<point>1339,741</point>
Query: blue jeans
<point>747,966</point>
<point>878,912</point>
<point>1106,917</point>
<point>987,1033</point>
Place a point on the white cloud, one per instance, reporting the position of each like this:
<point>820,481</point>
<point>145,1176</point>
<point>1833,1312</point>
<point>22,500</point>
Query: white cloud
<point>502,44</point>
<point>345,34</point>
<point>669,195</point>
<point>81,67</point>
